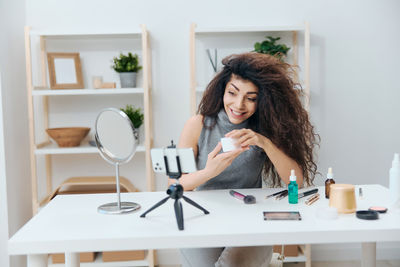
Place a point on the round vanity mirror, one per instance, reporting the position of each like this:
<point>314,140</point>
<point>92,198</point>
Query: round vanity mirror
<point>115,139</point>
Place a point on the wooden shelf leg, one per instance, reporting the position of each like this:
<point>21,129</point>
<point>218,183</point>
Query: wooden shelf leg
<point>307,65</point>
<point>151,257</point>
<point>193,83</point>
<point>148,127</point>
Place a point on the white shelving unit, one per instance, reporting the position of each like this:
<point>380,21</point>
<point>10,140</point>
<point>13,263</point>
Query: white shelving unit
<point>245,36</point>
<point>230,33</point>
<point>43,94</point>
<point>53,149</point>
<point>98,262</point>
<point>243,29</point>
<point>111,91</point>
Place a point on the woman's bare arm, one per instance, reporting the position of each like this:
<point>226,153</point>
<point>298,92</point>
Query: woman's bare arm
<point>189,138</point>
<point>282,162</point>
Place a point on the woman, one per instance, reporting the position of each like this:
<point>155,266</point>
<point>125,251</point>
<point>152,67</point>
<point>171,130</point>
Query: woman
<point>253,101</point>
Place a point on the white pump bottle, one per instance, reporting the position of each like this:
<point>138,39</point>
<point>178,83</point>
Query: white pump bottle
<point>394,180</point>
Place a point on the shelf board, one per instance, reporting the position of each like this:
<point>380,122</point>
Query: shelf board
<point>66,34</point>
<point>83,149</point>
<point>98,262</point>
<point>249,29</point>
<point>89,91</point>
<point>300,258</point>
<point>201,89</point>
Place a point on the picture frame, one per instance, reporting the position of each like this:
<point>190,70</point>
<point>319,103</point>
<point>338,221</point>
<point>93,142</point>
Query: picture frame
<point>65,71</point>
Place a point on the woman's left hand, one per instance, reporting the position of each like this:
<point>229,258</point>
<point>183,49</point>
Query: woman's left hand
<point>247,137</point>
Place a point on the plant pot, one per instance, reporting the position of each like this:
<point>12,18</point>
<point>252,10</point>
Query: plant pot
<point>128,79</point>
<point>136,133</point>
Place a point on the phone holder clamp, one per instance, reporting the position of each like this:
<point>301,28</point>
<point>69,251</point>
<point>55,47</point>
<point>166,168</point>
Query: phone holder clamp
<point>175,191</point>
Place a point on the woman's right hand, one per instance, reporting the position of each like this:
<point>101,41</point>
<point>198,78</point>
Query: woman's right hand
<point>217,163</point>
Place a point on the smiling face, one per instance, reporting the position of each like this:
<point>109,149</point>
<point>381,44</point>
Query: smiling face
<point>240,99</point>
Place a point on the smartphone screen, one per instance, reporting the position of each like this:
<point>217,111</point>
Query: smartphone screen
<point>186,159</point>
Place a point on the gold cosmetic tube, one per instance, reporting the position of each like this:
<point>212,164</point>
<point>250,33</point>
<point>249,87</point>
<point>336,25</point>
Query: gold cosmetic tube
<point>343,198</point>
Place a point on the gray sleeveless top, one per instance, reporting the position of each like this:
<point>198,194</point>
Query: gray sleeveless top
<point>245,170</point>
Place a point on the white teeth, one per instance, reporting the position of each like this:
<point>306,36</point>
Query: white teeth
<point>237,113</point>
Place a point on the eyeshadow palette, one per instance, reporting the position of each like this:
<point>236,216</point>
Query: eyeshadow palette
<point>281,215</point>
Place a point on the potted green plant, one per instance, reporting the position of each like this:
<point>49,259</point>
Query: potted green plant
<point>127,66</point>
<point>270,47</point>
<point>136,116</point>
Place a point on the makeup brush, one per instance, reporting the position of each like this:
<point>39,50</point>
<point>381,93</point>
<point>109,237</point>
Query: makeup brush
<point>247,199</point>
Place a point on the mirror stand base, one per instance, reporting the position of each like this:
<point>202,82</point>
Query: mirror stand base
<point>112,208</point>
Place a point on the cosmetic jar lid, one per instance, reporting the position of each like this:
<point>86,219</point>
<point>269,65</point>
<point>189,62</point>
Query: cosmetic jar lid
<point>379,209</point>
<point>327,213</point>
<point>344,187</point>
<point>367,215</point>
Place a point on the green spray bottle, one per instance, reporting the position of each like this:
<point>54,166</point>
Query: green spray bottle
<point>293,189</point>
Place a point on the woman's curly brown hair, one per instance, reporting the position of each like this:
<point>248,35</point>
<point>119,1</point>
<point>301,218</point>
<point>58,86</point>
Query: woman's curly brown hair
<point>280,115</point>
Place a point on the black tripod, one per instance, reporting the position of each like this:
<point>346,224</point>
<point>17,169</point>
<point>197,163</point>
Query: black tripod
<point>175,191</point>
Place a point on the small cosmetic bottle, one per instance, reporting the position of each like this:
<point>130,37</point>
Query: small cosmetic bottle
<point>328,182</point>
<point>293,189</point>
<point>394,179</point>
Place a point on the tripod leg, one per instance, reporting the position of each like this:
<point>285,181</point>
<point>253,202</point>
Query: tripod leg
<point>162,201</point>
<point>178,213</point>
<point>188,200</point>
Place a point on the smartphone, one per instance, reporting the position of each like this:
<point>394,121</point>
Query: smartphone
<point>186,158</point>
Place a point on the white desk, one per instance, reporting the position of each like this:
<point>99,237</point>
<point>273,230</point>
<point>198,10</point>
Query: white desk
<point>70,224</point>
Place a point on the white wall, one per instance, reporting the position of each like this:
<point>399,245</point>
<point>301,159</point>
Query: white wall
<point>354,70</point>
<point>4,259</point>
<point>14,116</point>
<point>353,65</point>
